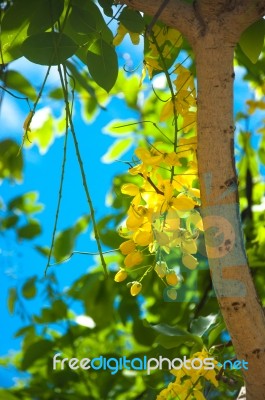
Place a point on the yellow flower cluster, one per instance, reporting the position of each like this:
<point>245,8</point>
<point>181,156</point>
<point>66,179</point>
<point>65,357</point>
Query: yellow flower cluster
<point>122,32</point>
<point>188,384</point>
<point>161,215</point>
<point>165,39</point>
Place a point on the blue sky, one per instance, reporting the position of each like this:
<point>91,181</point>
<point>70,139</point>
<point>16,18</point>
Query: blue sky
<point>42,173</point>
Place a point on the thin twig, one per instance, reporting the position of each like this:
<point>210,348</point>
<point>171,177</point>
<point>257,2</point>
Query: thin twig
<point>165,70</point>
<point>82,170</point>
<point>85,253</point>
<point>59,193</point>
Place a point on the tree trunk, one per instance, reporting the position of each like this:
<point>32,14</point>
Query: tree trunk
<point>231,277</point>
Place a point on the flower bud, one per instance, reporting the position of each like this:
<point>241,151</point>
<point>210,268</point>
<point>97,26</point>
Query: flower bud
<point>161,269</point>
<point>120,276</point>
<point>172,294</point>
<point>172,278</point>
<point>127,247</point>
<point>136,288</point>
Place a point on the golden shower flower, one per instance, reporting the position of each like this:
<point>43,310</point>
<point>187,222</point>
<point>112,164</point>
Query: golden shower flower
<point>127,247</point>
<point>133,259</point>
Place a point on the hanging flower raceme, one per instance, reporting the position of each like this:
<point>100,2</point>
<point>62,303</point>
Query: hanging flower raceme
<point>189,381</point>
<point>162,216</point>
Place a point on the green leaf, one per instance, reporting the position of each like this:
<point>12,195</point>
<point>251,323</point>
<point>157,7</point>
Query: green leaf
<point>102,63</point>
<point>81,224</point>
<point>168,330</point>
<point>252,40</point>
<point>24,330</point>
<point>11,161</point>
<point>34,352</point>
<point>42,136</point>
<point>56,94</point>
<point>65,240</point>
<point>86,18</point>
<point>170,342</point>
<point>9,222</point>
<point>82,21</point>
<point>201,324</point>
<point>11,301</point>
<point>215,333</point>
<point>17,14</point>
<point>118,127</point>
<point>132,20</point>
<point>56,312</point>
<point>24,18</point>
<point>48,48</point>
<point>5,394</point>
<point>120,147</point>
<point>27,203</point>
<point>172,336</point>
<point>14,80</point>
<point>261,150</point>
<point>43,250</point>
<point>131,90</point>
<point>64,244</point>
<point>14,26</point>
<point>107,7</point>
<point>261,153</point>
<point>59,308</point>
<point>29,231</point>
<point>29,288</point>
<point>81,79</point>
<point>45,14</point>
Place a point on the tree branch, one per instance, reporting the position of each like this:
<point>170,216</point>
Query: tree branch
<point>244,14</point>
<point>177,14</point>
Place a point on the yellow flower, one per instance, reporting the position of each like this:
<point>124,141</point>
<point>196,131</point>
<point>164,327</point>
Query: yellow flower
<point>181,204</point>
<point>133,259</point>
<point>136,288</point>
<point>120,276</point>
<point>151,64</point>
<point>172,221</point>
<point>254,104</point>
<point>139,217</point>
<point>143,238</point>
<point>122,32</point>
<point>161,269</point>
<point>130,189</point>
<point>127,247</point>
<point>189,261</point>
<point>147,157</point>
<point>139,169</point>
<point>136,191</point>
<point>171,278</point>
<point>194,219</point>
<point>183,182</point>
<point>26,124</point>
<point>185,79</point>
<point>172,293</point>
<point>172,159</point>
<point>162,238</point>
<point>188,384</point>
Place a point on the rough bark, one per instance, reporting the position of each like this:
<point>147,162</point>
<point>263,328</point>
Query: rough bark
<point>231,276</point>
<point>213,28</point>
